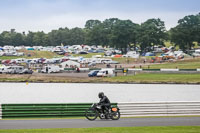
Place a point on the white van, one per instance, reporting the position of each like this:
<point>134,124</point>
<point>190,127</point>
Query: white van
<point>3,69</point>
<point>51,69</point>
<point>105,73</point>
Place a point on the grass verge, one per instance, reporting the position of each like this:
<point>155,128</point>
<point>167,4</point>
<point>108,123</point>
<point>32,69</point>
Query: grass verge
<point>156,78</point>
<point>171,129</point>
<point>150,78</point>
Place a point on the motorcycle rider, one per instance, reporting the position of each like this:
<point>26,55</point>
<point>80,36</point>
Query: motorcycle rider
<point>104,102</point>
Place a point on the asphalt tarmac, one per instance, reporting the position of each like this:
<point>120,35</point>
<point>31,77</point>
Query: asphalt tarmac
<point>83,123</point>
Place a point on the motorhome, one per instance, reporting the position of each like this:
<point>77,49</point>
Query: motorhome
<point>14,69</point>
<point>51,69</point>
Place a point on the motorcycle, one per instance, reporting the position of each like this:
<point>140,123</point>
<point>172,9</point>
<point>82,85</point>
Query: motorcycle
<point>96,111</point>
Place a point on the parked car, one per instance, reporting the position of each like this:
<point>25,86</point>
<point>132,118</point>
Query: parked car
<point>93,73</point>
<point>83,52</point>
<point>26,71</point>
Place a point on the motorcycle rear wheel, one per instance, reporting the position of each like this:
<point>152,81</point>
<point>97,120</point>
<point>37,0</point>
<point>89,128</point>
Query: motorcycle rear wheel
<point>115,115</point>
<point>91,114</point>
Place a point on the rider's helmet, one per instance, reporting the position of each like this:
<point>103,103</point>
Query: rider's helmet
<point>101,94</point>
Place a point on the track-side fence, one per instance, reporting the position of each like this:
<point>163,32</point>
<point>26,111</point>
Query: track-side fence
<point>159,108</point>
<point>78,109</point>
<point>0,112</point>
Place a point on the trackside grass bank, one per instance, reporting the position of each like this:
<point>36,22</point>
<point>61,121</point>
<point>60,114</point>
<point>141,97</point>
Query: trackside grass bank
<point>151,78</point>
<point>157,78</point>
<point>175,129</point>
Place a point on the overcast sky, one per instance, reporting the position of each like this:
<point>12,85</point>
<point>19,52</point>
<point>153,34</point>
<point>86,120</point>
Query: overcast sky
<point>46,15</point>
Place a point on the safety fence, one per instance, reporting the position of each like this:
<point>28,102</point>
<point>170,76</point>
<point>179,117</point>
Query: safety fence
<point>159,109</point>
<point>137,69</point>
<point>0,112</point>
<point>44,110</point>
<point>165,70</point>
<point>78,109</point>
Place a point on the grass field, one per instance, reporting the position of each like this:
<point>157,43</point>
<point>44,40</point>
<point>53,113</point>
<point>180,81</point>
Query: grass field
<point>175,129</point>
<point>159,78</point>
<point>34,54</point>
<point>156,78</point>
<point>184,64</point>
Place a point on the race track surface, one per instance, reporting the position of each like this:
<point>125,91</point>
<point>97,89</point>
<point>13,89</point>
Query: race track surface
<point>83,123</point>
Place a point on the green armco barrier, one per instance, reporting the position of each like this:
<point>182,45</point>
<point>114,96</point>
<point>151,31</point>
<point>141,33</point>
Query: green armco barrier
<point>187,69</point>
<point>94,69</point>
<point>45,110</point>
<point>119,69</point>
<point>151,69</point>
<point>69,69</point>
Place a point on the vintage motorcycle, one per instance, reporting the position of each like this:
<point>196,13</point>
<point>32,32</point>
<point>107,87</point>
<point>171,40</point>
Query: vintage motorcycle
<point>96,111</point>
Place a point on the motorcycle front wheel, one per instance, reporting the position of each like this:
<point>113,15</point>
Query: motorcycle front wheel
<point>91,114</point>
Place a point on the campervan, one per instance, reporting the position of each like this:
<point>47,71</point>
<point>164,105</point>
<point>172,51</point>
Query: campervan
<point>105,73</point>
<point>51,69</point>
<point>14,69</point>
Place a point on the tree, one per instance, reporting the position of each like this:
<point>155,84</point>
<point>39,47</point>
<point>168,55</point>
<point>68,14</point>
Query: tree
<point>122,34</point>
<point>56,37</point>
<point>95,35</point>
<point>40,39</point>
<point>76,36</point>
<point>151,33</point>
<point>17,39</point>
<point>6,38</point>
<point>1,40</point>
<point>108,25</point>
<point>29,39</point>
<point>186,32</point>
<point>92,23</point>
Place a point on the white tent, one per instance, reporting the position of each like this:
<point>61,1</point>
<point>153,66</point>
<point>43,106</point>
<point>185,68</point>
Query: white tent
<point>69,63</point>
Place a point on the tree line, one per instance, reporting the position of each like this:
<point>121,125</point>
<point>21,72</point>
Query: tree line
<point>113,32</point>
